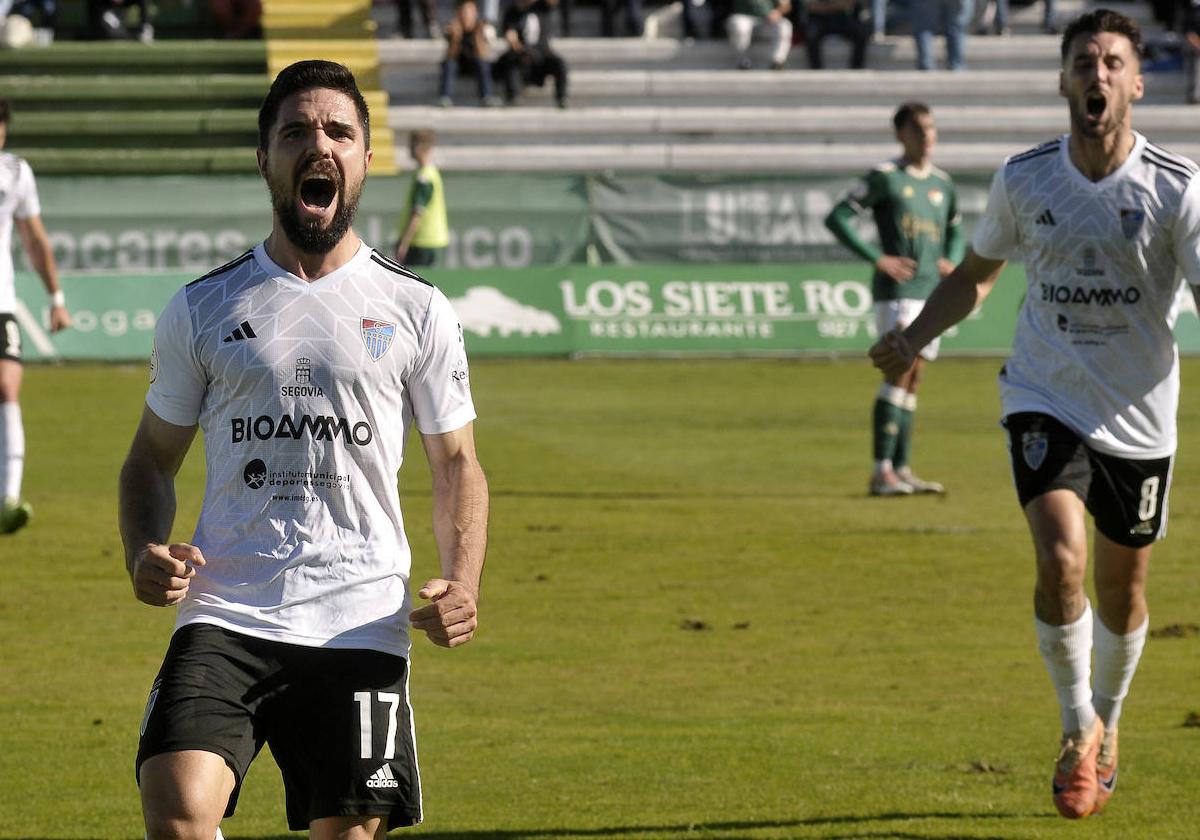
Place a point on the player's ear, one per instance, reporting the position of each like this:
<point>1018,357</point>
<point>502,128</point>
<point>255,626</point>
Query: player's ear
<point>262,162</point>
<point>1139,86</point>
<point>1062,82</point>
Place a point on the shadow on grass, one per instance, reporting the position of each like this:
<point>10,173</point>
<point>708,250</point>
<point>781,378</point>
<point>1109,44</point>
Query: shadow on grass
<point>731,829</point>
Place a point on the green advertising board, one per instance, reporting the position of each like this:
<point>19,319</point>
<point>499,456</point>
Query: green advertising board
<point>821,308</point>
<point>497,220</point>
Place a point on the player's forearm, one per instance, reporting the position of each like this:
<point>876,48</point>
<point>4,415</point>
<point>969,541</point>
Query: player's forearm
<point>410,229</point>
<point>460,515</point>
<point>41,255</point>
<point>146,507</point>
<point>840,222</point>
<point>954,299</point>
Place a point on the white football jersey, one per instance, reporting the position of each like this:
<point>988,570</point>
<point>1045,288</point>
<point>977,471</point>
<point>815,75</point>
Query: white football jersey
<point>18,199</point>
<point>1094,346</point>
<point>305,392</point>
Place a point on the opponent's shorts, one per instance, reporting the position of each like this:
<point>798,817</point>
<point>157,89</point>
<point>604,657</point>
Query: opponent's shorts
<point>890,314</point>
<point>10,337</point>
<point>1126,497</point>
<point>338,722</point>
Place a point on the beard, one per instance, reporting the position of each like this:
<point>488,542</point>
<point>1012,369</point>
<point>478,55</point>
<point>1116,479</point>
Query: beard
<point>308,234</point>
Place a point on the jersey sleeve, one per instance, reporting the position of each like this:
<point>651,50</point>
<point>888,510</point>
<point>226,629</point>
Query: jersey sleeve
<point>870,190</point>
<point>438,384</point>
<point>422,192</point>
<point>997,234</point>
<point>1186,234</point>
<point>177,379</point>
<point>955,241</point>
<point>27,205</point>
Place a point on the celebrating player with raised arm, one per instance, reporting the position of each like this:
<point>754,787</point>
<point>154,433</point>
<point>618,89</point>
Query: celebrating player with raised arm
<point>305,361</point>
<point>1105,221</point>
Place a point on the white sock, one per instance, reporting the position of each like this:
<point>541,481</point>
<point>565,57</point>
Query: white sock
<point>910,402</point>
<point>219,836</point>
<point>1116,660</point>
<point>893,394</point>
<point>1067,652</point>
<point>12,450</point>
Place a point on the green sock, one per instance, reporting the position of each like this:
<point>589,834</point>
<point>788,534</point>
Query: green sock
<point>886,429</point>
<point>903,439</point>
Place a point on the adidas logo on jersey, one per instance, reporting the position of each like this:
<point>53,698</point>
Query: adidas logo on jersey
<point>1047,218</point>
<point>242,333</point>
<point>383,778</point>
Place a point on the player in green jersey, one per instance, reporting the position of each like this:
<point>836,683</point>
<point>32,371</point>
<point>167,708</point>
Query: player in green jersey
<point>920,241</point>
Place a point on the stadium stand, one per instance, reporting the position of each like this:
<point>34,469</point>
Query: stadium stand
<point>663,104</point>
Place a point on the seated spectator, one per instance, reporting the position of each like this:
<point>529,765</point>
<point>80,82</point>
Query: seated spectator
<point>41,13</point>
<point>529,59</point>
<point>106,20</point>
<point>999,24</point>
<point>951,17</point>
<point>847,18</point>
<point>752,16</point>
<point>404,22</point>
<point>467,50</point>
<point>237,18</point>
<point>633,17</point>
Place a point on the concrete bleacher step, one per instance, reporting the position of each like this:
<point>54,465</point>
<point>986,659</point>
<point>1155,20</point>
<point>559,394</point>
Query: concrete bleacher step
<point>894,53</point>
<point>92,58</point>
<point>1014,126</point>
<point>793,88</point>
<point>721,157</point>
<point>56,93</point>
<point>215,161</point>
<point>147,129</point>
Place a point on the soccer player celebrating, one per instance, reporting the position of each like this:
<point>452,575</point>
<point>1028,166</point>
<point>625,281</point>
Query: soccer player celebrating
<point>18,205</point>
<point>1106,222</point>
<point>916,214</point>
<point>305,361</point>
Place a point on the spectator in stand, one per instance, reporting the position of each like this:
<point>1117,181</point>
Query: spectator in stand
<point>404,21</point>
<point>999,25</point>
<point>530,59</point>
<point>951,17</point>
<point>106,20</point>
<point>1191,49</point>
<point>41,13</point>
<point>752,16</point>
<point>690,31</point>
<point>467,49</point>
<point>237,18</point>
<point>847,18</point>
<point>633,17</point>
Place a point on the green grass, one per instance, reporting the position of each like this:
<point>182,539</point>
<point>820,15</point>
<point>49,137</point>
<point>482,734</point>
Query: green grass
<point>866,668</point>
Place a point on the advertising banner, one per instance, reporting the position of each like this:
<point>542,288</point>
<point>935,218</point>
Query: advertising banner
<point>822,308</point>
<point>497,220</point>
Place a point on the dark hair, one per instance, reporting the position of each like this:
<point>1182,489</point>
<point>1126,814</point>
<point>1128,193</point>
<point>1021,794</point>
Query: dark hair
<point>1102,20</point>
<point>908,113</point>
<point>423,139</point>
<point>309,75</point>
<point>5,111</point>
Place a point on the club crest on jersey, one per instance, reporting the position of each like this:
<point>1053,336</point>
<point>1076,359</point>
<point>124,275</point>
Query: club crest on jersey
<point>1034,446</point>
<point>377,335</point>
<point>935,197</point>
<point>1131,222</point>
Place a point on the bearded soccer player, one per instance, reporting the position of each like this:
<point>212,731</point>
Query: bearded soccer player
<point>1106,223</point>
<point>916,213</point>
<point>305,361</point>
<point>19,207</point>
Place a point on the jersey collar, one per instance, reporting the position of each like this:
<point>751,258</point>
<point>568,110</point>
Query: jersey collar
<point>286,278</point>
<point>1114,177</point>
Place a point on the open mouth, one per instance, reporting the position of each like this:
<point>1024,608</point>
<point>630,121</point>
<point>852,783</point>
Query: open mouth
<point>1095,105</point>
<point>318,191</point>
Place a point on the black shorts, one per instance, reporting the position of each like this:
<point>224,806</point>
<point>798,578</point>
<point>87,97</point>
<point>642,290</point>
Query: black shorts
<point>1126,497</point>
<point>338,721</point>
<point>10,337</point>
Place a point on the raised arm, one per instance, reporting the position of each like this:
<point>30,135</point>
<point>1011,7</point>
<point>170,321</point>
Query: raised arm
<point>160,573</point>
<point>952,300</point>
<point>460,514</point>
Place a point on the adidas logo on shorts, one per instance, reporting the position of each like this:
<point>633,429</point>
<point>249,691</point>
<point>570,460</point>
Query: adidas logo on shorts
<point>383,778</point>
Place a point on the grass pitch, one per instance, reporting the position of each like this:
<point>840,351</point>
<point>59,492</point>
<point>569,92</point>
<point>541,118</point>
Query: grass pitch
<point>696,624</point>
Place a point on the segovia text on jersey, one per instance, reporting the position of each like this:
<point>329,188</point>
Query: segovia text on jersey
<point>324,427</point>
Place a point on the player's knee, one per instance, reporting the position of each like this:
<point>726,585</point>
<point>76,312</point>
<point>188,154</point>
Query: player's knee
<point>181,827</point>
<point>1060,568</point>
